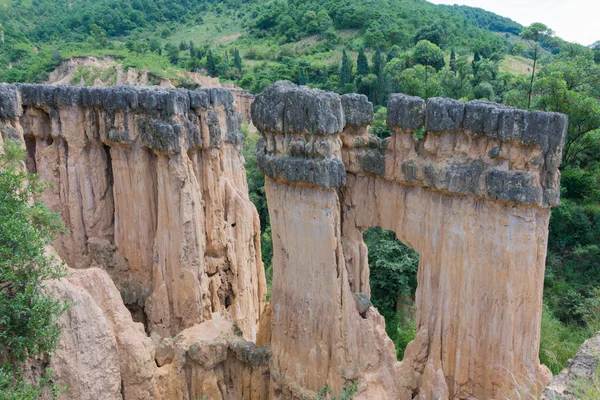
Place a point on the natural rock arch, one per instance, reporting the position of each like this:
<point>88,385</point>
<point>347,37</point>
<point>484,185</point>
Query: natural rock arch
<point>473,197</point>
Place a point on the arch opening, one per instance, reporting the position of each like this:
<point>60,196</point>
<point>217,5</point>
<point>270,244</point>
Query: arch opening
<point>393,270</point>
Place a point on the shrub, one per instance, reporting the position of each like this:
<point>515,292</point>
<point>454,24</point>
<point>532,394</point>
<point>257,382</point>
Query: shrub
<point>28,314</point>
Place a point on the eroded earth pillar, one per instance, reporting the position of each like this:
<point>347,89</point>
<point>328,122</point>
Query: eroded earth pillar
<point>472,195</point>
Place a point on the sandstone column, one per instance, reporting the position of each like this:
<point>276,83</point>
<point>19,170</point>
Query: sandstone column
<point>472,196</point>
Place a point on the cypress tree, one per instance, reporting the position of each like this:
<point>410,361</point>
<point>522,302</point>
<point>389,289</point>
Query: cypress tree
<point>192,49</point>
<point>377,61</point>
<point>302,77</point>
<point>210,64</point>
<point>362,65</point>
<point>476,59</point>
<point>452,60</point>
<point>237,60</point>
<point>346,72</point>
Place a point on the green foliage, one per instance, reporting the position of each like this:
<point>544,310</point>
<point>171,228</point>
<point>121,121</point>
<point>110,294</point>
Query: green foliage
<point>393,277</point>
<point>346,71</point>
<point>347,392</point>
<point>362,65</point>
<point>559,342</point>
<point>379,127</point>
<point>393,268</point>
<point>28,313</point>
<point>428,54</point>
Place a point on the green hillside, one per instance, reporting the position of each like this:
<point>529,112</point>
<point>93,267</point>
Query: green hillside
<point>39,33</point>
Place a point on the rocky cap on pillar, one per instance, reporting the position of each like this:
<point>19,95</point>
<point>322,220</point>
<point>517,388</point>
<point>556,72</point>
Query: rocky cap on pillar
<point>300,128</point>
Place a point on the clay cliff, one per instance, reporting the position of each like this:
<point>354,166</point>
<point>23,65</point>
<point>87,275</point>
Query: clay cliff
<point>151,186</point>
<point>472,196</point>
<point>164,254</point>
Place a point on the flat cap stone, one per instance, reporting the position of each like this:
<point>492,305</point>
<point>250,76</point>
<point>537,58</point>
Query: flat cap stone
<point>358,110</point>
<point>10,105</point>
<point>444,115</point>
<point>405,112</point>
<point>287,108</point>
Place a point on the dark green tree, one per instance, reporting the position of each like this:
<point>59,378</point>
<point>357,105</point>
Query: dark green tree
<point>192,49</point>
<point>377,61</point>
<point>346,70</point>
<point>172,52</point>
<point>211,65</point>
<point>237,60</point>
<point>362,65</point>
<point>476,59</point>
<point>452,60</point>
<point>98,36</point>
<point>154,46</point>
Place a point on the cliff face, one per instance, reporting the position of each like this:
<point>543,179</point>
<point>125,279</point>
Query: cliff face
<point>473,197</point>
<point>151,185</point>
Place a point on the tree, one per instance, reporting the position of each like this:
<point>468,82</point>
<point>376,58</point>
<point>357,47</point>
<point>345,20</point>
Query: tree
<point>452,60</point>
<point>362,65</point>
<point>192,49</point>
<point>154,46</point>
<point>428,54</point>
<point>433,34</point>
<point>595,49</point>
<point>346,71</point>
<point>172,52</point>
<point>211,65</point>
<point>535,34</point>
<point>378,64</point>
<point>237,60</point>
<point>476,59</point>
<point>98,36</point>
<point>28,313</point>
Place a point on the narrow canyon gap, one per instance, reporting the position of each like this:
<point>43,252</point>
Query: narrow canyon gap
<point>472,197</point>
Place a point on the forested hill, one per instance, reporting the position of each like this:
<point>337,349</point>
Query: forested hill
<point>39,33</point>
<point>43,20</point>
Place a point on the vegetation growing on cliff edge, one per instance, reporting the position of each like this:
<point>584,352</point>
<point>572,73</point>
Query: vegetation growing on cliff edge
<point>28,313</point>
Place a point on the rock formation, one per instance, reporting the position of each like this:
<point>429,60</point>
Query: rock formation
<point>151,185</point>
<point>581,370</point>
<point>472,196</point>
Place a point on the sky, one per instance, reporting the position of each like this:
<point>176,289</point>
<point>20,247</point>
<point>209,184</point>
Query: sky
<point>572,20</point>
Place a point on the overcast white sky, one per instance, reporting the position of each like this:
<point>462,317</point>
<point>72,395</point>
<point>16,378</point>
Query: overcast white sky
<point>572,20</point>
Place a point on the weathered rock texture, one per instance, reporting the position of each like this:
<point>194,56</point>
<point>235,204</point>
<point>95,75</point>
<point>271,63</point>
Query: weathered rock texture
<point>103,354</point>
<point>151,185</point>
<point>581,370</point>
<point>473,197</point>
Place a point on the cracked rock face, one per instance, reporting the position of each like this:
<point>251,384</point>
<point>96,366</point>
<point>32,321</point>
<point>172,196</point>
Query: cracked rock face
<point>151,186</point>
<point>472,197</point>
